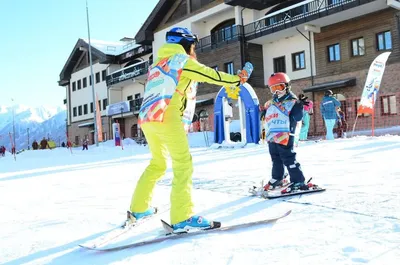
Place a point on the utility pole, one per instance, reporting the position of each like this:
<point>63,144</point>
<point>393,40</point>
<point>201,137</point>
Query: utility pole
<point>96,139</point>
<point>27,129</point>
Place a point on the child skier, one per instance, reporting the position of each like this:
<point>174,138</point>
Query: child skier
<point>168,105</point>
<point>281,117</point>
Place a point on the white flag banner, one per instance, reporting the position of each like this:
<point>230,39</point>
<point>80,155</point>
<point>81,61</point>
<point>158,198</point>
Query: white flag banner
<point>372,84</point>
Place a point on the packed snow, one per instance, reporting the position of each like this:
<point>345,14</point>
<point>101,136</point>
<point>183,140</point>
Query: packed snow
<point>53,200</point>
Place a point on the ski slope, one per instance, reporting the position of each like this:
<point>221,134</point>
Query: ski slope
<point>52,200</point>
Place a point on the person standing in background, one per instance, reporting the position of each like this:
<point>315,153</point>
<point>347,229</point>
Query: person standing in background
<point>307,112</point>
<point>328,108</point>
<point>342,124</point>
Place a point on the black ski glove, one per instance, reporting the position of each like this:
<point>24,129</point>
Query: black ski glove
<point>304,102</point>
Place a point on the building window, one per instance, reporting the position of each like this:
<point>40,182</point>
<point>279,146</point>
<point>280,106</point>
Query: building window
<point>85,110</point>
<point>388,105</point>
<point>73,86</point>
<point>99,104</point>
<point>80,110</point>
<point>91,107</point>
<point>104,104</point>
<point>334,52</point>
<point>224,31</point>
<point>84,81</point>
<point>79,84</point>
<point>97,77</point>
<point>358,47</point>
<point>74,111</point>
<point>279,64</point>
<point>90,80</point>
<point>384,41</point>
<point>103,75</point>
<point>229,68</point>
<point>129,97</point>
<point>298,61</point>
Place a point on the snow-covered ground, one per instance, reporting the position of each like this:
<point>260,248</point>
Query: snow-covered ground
<point>52,200</point>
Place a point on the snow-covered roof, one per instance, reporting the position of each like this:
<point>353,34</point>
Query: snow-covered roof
<point>112,47</point>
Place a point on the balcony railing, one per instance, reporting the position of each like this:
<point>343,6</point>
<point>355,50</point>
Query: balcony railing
<point>129,72</point>
<point>220,38</point>
<point>298,14</point>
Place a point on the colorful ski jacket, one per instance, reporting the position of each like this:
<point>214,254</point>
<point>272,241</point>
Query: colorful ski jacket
<point>172,83</point>
<point>281,118</point>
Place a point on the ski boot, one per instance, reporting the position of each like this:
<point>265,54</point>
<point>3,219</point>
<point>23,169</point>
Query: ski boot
<point>133,217</point>
<point>194,223</point>
<point>271,185</point>
<point>274,184</point>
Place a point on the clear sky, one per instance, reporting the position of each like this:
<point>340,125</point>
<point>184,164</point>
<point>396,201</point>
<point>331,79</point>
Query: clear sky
<point>37,36</point>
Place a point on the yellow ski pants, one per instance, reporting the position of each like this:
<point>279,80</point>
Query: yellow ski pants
<point>163,138</point>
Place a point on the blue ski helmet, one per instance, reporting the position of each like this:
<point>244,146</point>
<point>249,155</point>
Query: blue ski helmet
<point>175,35</point>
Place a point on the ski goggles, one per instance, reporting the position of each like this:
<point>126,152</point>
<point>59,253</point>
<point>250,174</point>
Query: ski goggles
<point>277,88</point>
<point>190,37</point>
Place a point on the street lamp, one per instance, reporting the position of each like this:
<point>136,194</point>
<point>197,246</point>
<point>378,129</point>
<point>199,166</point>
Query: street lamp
<point>96,139</point>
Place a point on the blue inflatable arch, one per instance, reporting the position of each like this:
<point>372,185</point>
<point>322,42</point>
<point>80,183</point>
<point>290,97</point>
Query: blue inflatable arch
<point>251,113</point>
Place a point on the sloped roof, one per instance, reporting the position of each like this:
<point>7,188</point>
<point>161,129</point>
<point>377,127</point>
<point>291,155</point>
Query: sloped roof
<point>349,82</point>
<point>254,4</point>
<point>145,33</point>
<point>80,47</point>
<point>104,51</point>
<point>114,48</point>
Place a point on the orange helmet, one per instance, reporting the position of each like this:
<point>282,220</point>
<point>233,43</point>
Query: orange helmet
<point>278,82</point>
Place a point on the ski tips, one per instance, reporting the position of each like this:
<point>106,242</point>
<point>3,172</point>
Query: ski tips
<point>167,227</point>
<point>287,213</point>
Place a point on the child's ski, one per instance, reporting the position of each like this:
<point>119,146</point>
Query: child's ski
<point>189,234</point>
<point>285,191</point>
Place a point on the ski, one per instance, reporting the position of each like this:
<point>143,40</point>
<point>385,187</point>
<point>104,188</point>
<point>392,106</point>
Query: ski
<point>284,191</point>
<point>120,230</point>
<point>293,193</point>
<point>173,236</point>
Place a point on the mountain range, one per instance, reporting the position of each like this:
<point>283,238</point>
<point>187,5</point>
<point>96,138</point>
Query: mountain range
<point>44,121</point>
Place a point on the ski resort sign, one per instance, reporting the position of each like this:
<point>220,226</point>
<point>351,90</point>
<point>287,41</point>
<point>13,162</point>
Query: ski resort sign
<point>118,108</point>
